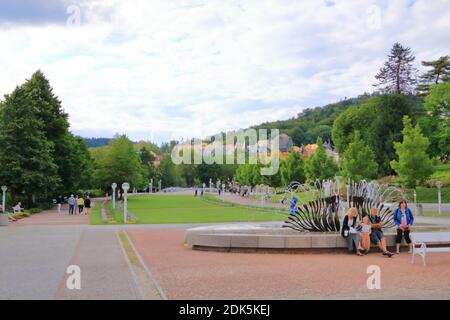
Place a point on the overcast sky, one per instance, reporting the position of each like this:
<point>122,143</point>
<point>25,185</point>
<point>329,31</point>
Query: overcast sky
<point>159,70</point>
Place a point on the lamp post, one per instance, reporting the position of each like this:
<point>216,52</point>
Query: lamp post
<point>439,185</point>
<point>114,186</point>
<point>4,188</point>
<point>159,185</point>
<point>210,185</point>
<point>150,186</point>
<point>125,187</point>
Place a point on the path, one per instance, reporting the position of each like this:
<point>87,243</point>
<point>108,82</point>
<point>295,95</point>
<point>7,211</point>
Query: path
<point>36,251</point>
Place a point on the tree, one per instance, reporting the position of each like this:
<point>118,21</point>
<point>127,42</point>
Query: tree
<point>379,121</point>
<point>292,169</point>
<point>398,73</point>
<point>119,163</point>
<point>28,168</point>
<point>439,73</point>
<point>436,123</point>
<point>320,166</point>
<point>414,165</point>
<point>358,161</point>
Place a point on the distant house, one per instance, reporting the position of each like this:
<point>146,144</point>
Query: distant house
<point>310,149</point>
<point>158,160</point>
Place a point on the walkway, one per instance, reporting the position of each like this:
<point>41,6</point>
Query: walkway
<point>36,251</point>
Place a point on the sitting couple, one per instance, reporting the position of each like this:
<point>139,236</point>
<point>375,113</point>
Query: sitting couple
<point>371,229</point>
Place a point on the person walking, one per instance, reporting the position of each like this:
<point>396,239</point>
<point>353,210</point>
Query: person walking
<point>71,203</point>
<point>80,203</point>
<point>403,219</point>
<point>87,205</point>
<point>59,201</point>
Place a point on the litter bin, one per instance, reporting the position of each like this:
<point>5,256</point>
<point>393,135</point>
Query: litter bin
<point>419,210</point>
<point>3,219</point>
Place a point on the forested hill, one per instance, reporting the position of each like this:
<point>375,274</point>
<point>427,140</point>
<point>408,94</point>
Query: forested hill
<point>96,142</point>
<point>311,123</point>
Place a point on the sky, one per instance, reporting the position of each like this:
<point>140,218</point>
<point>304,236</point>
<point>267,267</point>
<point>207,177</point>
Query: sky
<point>160,70</point>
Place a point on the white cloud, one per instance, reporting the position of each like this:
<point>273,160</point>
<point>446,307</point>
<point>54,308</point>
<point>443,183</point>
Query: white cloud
<point>163,69</point>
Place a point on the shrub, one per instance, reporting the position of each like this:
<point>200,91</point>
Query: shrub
<point>35,210</point>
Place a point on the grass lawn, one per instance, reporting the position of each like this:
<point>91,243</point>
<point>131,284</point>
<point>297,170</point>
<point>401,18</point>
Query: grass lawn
<point>188,209</point>
<point>95,216</point>
<point>442,172</point>
<point>429,195</point>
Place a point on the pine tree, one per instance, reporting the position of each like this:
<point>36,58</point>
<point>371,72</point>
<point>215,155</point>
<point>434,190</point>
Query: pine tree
<point>398,73</point>
<point>358,161</point>
<point>439,73</point>
<point>414,165</point>
<point>28,168</point>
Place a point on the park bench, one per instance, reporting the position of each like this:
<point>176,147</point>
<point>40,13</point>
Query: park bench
<point>421,240</point>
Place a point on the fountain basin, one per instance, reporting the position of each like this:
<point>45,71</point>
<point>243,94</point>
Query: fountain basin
<point>262,236</point>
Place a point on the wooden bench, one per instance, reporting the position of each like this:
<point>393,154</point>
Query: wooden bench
<point>420,240</point>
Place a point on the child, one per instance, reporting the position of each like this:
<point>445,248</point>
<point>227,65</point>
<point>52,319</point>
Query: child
<point>366,229</point>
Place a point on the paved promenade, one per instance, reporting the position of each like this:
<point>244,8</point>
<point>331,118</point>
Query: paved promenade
<point>36,251</point>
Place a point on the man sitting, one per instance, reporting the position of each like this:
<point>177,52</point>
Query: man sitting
<point>377,233</point>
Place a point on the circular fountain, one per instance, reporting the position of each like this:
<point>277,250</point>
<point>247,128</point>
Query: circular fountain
<point>315,224</point>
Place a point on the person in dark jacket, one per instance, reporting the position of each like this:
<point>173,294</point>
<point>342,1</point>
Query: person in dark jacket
<point>87,205</point>
<point>377,235</point>
<point>349,231</point>
<point>403,219</point>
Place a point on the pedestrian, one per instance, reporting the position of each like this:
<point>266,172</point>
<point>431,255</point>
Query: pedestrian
<point>80,203</point>
<point>59,202</point>
<point>87,205</point>
<point>71,202</point>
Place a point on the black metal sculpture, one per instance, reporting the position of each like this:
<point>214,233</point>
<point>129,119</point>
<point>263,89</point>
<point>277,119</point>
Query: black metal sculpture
<point>322,215</point>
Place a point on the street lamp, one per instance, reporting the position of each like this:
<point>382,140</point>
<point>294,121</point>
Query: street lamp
<point>159,185</point>
<point>4,188</point>
<point>210,185</point>
<point>150,186</point>
<point>114,186</point>
<point>439,185</point>
<point>125,187</point>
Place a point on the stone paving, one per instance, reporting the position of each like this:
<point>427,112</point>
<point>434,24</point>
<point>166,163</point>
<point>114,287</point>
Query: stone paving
<point>35,253</point>
<point>187,274</point>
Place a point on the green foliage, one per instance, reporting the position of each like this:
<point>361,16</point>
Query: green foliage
<point>379,120</point>
<point>436,123</point>
<point>414,165</point>
<point>28,167</point>
<point>358,161</point>
<point>319,166</point>
<point>292,169</point>
<point>119,163</point>
<point>312,123</point>
<point>440,72</point>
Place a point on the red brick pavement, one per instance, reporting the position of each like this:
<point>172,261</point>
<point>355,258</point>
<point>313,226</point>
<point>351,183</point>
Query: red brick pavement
<point>187,274</point>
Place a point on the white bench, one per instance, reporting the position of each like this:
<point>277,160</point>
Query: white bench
<point>420,240</point>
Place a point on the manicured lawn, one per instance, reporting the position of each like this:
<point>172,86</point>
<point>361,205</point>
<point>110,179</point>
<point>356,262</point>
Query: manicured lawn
<point>442,172</point>
<point>429,195</point>
<point>95,216</point>
<point>188,209</point>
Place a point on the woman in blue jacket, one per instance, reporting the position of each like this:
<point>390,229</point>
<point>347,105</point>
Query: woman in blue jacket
<point>403,219</point>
